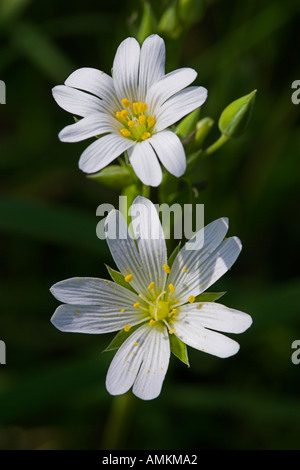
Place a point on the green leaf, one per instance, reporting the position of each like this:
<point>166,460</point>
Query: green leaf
<point>119,278</point>
<point>173,255</point>
<point>179,349</point>
<point>235,117</point>
<point>209,296</point>
<point>119,339</point>
<point>114,176</point>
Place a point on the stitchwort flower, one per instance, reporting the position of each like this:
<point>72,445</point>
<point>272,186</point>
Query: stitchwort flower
<point>156,302</point>
<point>131,110</point>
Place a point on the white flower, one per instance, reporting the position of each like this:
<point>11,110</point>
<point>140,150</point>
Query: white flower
<point>162,300</point>
<point>131,110</point>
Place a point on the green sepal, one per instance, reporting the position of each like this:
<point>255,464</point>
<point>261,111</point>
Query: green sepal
<point>113,176</point>
<point>179,349</point>
<point>209,296</point>
<point>235,117</point>
<point>188,124</point>
<point>118,278</point>
<point>173,255</point>
<point>119,339</point>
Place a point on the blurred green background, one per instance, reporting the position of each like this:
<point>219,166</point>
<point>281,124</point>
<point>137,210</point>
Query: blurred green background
<point>52,389</point>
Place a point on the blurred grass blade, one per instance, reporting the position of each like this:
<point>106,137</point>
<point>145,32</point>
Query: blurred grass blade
<point>47,56</point>
<point>51,224</point>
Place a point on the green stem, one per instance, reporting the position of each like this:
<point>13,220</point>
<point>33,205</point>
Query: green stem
<point>146,191</point>
<point>201,154</point>
<point>216,145</point>
<point>117,423</point>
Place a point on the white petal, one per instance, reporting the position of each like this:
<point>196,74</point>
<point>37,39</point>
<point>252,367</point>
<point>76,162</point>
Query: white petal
<point>168,86</point>
<point>152,63</point>
<point>145,163</point>
<point>96,82</point>
<point>102,152</point>
<point>216,317</point>
<point>93,291</point>
<point>76,102</point>
<point>93,319</point>
<point>193,334</point>
<point>126,69</point>
<point>186,271</point>
<point>170,151</point>
<point>150,241</point>
<point>124,251</point>
<point>125,365</point>
<point>178,106</point>
<point>89,126</point>
<point>154,367</point>
<point>142,361</point>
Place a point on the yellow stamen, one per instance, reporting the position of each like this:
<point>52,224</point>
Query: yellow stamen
<point>125,132</point>
<point>127,327</point>
<point>126,103</point>
<point>135,344</point>
<point>146,135</point>
<point>175,310</point>
<point>122,310</point>
<point>151,322</point>
<point>184,270</point>
<point>142,119</point>
<point>136,305</point>
<point>150,121</point>
<point>119,115</point>
<point>131,123</point>
<point>172,288</point>
<point>167,268</point>
<point>151,285</point>
<point>128,278</point>
<point>172,331</point>
<point>191,299</point>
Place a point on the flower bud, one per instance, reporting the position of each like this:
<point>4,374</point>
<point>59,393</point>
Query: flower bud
<point>188,124</point>
<point>148,23</point>
<point>169,24</point>
<point>235,117</point>
<point>203,128</point>
<point>113,176</point>
<point>190,11</point>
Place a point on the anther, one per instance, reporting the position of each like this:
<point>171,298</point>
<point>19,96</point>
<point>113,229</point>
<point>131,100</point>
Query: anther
<point>172,288</point>
<point>125,132</point>
<point>126,103</point>
<point>191,299</point>
<point>151,285</point>
<point>167,268</point>
<point>128,278</point>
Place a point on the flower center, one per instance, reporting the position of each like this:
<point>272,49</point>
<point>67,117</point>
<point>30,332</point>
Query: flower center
<point>160,311</point>
<point>138,125</point>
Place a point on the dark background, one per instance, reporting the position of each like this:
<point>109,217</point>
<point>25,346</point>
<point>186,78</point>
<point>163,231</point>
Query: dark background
<point>52,389</point>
